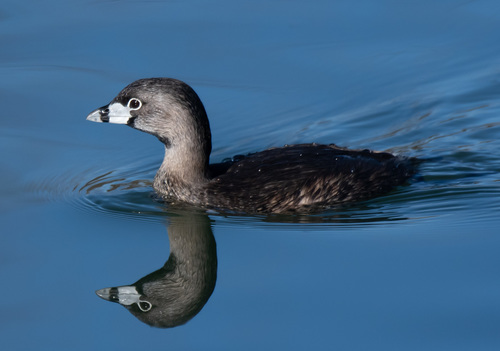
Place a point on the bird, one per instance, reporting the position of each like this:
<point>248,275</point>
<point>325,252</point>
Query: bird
<point>300,178</point>
<point>175,293</point>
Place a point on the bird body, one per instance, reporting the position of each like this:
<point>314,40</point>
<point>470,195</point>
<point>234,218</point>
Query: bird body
<point>293,178</point>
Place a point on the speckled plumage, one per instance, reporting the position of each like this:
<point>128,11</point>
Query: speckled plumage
<point>296,178</point>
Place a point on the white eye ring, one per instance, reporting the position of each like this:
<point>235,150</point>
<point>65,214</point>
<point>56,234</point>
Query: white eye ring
<point>134,104</point>
<point>144,306</point>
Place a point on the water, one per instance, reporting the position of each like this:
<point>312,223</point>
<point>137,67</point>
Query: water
<point>417,269</point>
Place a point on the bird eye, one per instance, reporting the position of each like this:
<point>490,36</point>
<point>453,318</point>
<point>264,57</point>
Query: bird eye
<point>144,306</point>
<point>134,104</point>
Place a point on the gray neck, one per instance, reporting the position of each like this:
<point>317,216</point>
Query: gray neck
<point>193,246</point>
<point>183,172</point>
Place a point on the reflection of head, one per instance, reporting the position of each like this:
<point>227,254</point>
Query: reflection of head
<point>176,292</point>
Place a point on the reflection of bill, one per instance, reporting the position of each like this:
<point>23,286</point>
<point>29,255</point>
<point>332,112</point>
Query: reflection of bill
<point>176,292</point>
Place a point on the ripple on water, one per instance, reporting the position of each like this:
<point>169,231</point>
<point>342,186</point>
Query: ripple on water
<point>120,193</point>
<point>125,192</point>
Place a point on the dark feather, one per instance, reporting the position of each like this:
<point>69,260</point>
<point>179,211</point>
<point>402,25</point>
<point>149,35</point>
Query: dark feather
<point>306,177</point>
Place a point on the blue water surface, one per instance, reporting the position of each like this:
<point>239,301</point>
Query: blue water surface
<point>417,269</point>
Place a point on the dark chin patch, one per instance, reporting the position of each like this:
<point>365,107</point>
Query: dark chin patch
<point>165,141</point>
<point>131,122</point>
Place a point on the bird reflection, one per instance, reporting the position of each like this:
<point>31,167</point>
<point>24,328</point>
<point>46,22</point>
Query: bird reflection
<point>175,293</point>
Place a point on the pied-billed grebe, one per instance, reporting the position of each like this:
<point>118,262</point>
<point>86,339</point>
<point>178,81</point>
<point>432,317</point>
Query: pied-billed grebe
<point>300,177</point>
